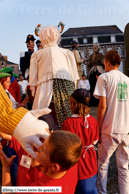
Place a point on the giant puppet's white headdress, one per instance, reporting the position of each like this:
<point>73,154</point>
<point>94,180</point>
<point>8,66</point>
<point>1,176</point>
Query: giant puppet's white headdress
<point>49,35</point>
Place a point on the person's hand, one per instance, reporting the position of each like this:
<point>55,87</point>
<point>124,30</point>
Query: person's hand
<point>34,162</point>
<point>24,102</point>
<point>6,162</point>
<point>32,90</point>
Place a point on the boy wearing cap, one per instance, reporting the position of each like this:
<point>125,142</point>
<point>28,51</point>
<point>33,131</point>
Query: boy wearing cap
<point>86,127</point>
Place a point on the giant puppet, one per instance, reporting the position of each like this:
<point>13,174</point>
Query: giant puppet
<point>96,64</point>
<point>22,124</point>
<point>25,56</point>
<point>78,58</point>
<point>53,70</point>
<point>126,39</point>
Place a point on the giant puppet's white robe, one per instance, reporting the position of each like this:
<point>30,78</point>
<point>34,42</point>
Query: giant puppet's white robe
<point>45,65</point>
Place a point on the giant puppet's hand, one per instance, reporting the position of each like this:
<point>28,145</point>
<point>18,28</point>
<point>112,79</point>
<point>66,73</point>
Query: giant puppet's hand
<point>30,129</point>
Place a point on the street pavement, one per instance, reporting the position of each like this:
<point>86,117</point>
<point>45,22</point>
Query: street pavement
<point>112,186</point>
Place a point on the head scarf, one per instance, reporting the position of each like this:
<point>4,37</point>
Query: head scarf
<point>49,36</point>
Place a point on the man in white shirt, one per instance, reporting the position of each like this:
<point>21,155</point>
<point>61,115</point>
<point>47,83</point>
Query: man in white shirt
<point>84,83</point>
<point>23,84</point>
<point>112,90</point>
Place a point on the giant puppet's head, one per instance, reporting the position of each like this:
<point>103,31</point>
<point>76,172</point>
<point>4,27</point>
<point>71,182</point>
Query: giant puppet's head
<point>30,42</point>
<point>50,35</point>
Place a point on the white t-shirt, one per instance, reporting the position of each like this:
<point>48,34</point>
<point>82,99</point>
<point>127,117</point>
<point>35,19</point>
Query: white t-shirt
<point>84,84</point>
<point>23,84</point>
<point>114,85</point>
<point>12,100</point>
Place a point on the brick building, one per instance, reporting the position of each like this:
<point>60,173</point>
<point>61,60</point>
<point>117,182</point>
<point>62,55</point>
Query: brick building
<point>5,63</point>
<point>108,37</point>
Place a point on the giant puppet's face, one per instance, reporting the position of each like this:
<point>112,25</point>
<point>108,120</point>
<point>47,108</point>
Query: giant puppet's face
<point>30,44</point>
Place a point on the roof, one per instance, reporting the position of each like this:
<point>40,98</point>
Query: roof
<point>95,30</point>
<point>2,58</point>
<point>9,62</point>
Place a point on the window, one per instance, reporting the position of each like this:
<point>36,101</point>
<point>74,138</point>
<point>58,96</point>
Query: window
<point>12,68</point>
<point>95,39</point>
<point>84,40</point>
<point>2,63</point>
<point>113,38</point>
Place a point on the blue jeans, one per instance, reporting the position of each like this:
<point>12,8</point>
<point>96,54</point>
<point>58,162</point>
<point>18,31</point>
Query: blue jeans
<point>87,186</point>
<point>9,152</point>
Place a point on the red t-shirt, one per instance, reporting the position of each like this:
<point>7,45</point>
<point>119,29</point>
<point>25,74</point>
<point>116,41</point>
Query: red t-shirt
<point>25,176</point>
<point>87,166</point>
<point>68,182</point>
<point>16,89</point>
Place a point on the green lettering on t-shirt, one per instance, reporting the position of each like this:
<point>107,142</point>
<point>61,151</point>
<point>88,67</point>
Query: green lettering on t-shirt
<point>122,93</point>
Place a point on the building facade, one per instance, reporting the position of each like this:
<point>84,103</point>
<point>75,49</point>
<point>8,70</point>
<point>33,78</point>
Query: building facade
<point>5,63</point>
<point>108,37</point>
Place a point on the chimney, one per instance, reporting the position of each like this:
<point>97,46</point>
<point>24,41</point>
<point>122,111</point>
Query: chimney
<point>5,57</point>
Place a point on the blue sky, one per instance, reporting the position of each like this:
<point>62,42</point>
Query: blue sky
<point>18,18</point>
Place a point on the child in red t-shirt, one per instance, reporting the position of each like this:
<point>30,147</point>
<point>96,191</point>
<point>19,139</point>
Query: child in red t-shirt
<point>86,127</point>
<point>58,156</point>
<point>25,173</point>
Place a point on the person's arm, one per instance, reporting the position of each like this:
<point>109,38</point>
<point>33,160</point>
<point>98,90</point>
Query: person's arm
<point>5,136</point>
<point>6,164</point>
<point>33,73</point>
<point>101,111</point>
<point>79,85</point>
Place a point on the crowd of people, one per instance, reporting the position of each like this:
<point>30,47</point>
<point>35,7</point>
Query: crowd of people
<point>58,148</point>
